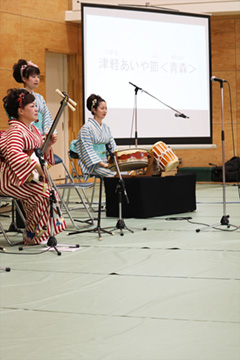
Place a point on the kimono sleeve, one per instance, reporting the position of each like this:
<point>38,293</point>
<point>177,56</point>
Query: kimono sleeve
<point>85,147</point>
<point>18,161</point>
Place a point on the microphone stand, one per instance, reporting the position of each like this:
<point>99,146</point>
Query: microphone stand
<point>177,112</point>
<point>225,218</point>
<point>120,189</point>
<point>135,111</point>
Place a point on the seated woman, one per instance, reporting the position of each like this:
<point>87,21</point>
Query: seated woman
<point>92,140</point>
<point>16,167</point>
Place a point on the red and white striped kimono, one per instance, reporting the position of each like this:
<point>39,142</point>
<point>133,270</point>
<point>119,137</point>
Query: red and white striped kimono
<point>16,166</point>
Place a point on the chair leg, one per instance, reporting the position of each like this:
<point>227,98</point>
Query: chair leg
<point>13,226</point>
<point>5,235</point>
<point>74,171</point>
<point>70,177</point>
<point>89,221</point>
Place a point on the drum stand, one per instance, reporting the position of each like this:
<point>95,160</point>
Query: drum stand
<point>225,218</point>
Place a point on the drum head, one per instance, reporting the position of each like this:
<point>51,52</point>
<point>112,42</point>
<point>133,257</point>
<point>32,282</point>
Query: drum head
<point>172,165</point>
<point>131,159</point>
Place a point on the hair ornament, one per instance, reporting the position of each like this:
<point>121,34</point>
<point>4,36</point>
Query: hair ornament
<point>20,100</point>
<point>23,67</point>
<point>30,63</point>
<point>93,103</point>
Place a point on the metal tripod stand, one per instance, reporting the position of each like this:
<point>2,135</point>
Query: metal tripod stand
<point>225,218</point>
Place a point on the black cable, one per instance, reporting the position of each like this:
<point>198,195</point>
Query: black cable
<point>213,227</point>
<point>203,224</point>
<point>178,218</point>
<point>5,251</point>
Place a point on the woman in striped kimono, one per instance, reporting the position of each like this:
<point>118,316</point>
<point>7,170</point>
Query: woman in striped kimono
<point>17,167</point>
<point>28,73</point>
<point>92,140</point>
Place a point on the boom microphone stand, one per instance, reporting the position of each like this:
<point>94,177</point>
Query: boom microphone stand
<point>120,189</point>
<point>135,111</point>
<point>177,112</point>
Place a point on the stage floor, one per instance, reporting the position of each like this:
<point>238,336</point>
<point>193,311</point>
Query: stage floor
<point>165,293</point>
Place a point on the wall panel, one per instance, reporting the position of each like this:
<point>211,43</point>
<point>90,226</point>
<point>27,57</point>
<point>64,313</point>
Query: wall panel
<point>29,28</point>
<point>223,44</point>
<point>51,10</point>
<point>10,39</point>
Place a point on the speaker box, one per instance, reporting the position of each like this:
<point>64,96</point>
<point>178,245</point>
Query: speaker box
<point>151,196</point>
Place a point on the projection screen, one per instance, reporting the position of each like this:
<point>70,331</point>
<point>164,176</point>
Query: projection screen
<point>153,68</point>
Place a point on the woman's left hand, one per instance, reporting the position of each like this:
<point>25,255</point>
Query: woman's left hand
<point>53,139</point>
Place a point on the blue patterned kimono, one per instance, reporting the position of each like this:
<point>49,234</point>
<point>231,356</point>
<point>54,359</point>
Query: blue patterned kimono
<point>91,148</point>
<point>45,119</point>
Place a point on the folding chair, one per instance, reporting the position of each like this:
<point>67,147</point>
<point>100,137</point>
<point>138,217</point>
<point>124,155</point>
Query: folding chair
<point>73,155</point>
<point>98,228</point>
<point>13,226</point>
<point>69,184</point>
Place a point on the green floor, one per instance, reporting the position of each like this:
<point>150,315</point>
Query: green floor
<point>167,293</point>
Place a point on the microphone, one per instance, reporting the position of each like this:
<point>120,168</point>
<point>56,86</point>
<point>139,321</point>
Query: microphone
<point>214,78</point>
<point>182,115</point>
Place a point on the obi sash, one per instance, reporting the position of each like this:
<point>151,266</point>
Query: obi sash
<point>100,150</point>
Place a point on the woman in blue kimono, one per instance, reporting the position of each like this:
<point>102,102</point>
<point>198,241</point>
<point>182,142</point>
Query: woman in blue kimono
<point>92,140</point>
<point>28,73</point>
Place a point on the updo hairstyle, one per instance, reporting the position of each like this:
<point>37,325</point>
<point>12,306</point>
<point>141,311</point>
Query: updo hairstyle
<point>93,102</point>
<point>25,69</point>
<point>15,99</point>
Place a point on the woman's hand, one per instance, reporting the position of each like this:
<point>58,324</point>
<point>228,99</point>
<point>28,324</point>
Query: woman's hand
<point>39,170</point>
<point>103,164</point>
<point>53,139</point>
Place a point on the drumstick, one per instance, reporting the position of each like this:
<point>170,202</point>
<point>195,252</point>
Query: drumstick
<point>68,101</point>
